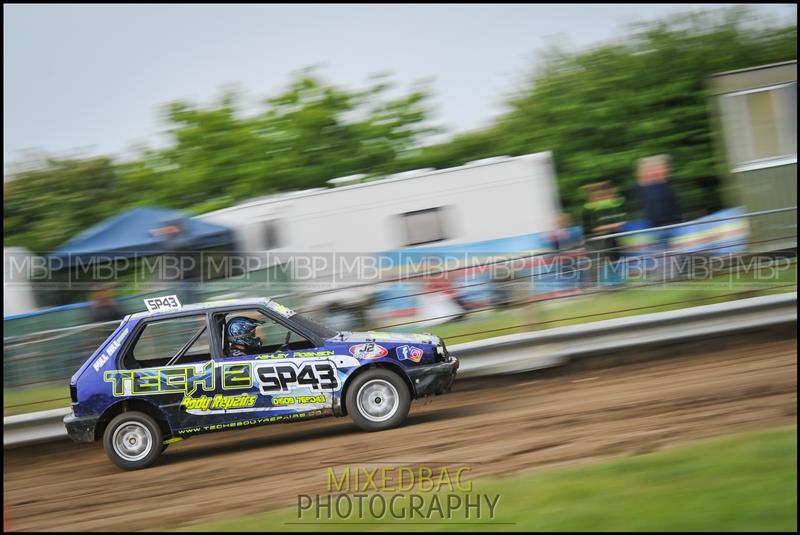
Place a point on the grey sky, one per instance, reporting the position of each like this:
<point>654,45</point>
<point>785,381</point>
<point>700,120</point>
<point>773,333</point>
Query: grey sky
<point>90,78</point>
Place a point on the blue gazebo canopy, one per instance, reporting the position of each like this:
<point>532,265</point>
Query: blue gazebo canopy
<point>144,231</point>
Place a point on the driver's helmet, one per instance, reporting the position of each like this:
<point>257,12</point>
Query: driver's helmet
<point>241,331</point>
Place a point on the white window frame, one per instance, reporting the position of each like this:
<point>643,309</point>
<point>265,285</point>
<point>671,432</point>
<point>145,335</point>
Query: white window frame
<point>733,141</point>
<point>439,211</point>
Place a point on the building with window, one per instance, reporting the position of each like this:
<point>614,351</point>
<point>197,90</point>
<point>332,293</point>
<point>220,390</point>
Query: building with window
<point>757,108</point>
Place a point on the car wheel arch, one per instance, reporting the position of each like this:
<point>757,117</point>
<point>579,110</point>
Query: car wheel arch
<point>383,365</point>
<point>132,405</point>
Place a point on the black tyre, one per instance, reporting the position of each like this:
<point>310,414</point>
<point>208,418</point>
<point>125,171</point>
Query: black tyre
<point>378,399</point>
<point>132,440</point>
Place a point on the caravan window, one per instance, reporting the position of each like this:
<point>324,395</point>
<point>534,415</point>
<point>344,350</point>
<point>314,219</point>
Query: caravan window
<point>424,226</point>
<point>272,238</point>
<point>268,233</point>
<point>761,124</point>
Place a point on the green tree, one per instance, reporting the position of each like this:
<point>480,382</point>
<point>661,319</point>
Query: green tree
<point>600,110</point>
<point>50,203</point>
<point>307,134</point>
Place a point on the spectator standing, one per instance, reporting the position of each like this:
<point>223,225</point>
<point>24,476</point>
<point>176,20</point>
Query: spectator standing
<point>657,199</point>
<point>104,306</point>
<point>102,309</point>
<point>604,213</point>
<point>566,245</point>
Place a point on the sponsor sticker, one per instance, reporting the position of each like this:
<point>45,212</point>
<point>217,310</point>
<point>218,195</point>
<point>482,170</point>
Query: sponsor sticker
<point>297,354</point>
<point>218,402</point>
<point>283,310</point>
<point>411,353</point>
<point>370,350</point>
<point>110,350</point>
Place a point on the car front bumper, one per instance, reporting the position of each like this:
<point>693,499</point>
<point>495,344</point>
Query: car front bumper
<point>80,429</point>
<point>434,379</point>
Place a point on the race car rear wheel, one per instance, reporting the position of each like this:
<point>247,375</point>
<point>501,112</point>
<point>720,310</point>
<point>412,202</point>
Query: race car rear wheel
<point>378,399</point>
<point>132,440</point>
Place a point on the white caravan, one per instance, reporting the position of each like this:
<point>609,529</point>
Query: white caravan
<point>482,200</point>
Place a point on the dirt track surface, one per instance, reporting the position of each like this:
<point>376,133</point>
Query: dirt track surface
<point>508,425</point>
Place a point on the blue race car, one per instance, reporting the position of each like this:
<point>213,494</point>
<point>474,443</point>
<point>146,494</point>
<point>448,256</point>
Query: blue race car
<point>177,371</point>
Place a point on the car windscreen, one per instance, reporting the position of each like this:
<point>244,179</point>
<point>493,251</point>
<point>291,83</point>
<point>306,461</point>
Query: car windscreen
<point>311,325</point>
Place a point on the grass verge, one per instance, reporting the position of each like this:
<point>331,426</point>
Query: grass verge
<point>746,481</point>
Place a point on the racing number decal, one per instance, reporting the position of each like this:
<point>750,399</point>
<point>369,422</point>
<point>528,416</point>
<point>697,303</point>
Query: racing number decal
<point>306,377</point>
<point>283,377</point>
<point>158,303</point>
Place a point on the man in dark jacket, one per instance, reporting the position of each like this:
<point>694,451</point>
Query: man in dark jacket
<point>659,204</point>
<point>656,197</point>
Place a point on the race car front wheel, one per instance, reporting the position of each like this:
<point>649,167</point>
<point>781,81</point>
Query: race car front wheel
<point>132,440</point>
<point>378,399</point>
